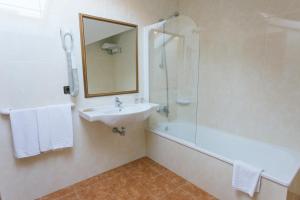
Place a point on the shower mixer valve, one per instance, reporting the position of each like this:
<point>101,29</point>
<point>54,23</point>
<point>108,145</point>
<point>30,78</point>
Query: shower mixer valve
<point>163,109</point>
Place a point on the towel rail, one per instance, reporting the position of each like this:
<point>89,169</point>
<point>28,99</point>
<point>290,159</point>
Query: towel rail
<point>6,111</point>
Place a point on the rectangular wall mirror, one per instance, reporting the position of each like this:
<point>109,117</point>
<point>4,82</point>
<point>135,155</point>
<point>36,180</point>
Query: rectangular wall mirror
<point>110,56</point>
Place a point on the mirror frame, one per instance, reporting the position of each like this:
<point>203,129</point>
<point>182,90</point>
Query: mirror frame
<point>83,54</point>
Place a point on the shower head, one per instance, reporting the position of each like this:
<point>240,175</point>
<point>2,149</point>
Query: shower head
<point>176,14</point>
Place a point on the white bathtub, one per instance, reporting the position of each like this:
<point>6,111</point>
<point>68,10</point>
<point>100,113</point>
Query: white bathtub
<point>280,165</point>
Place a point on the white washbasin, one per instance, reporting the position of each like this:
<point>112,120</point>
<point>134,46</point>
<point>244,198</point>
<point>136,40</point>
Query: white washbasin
<point>115,117</point>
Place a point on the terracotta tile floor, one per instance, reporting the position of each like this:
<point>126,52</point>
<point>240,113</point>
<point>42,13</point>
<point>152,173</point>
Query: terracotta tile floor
<point>292,196</point>
<point>142,179</point>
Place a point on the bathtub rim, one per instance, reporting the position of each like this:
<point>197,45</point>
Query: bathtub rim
<point>192,146</point>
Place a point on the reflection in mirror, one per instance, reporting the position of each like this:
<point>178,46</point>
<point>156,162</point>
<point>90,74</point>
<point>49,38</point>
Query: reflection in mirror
<point>109,52</point>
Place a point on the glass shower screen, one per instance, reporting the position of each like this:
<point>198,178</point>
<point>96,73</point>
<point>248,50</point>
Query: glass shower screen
<point>173,77</point>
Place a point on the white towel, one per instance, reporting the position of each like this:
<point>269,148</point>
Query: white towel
<point>246,178</point>
<point>25,132</point>
<point>44,129</point>
<point>55,127</point>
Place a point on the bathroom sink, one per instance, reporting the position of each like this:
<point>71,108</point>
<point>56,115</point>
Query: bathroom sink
<point>119,116</point>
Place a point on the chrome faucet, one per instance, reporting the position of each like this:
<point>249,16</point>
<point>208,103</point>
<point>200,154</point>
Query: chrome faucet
<point>118,103</point>
<point>163,109</point>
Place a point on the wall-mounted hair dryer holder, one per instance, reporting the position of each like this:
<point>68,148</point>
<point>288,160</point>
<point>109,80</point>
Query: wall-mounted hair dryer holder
<point>68,45</point>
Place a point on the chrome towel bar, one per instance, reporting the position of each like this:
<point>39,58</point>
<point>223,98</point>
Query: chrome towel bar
<point>6,111</point>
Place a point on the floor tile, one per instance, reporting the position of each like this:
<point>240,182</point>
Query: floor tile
<point>178,195</point>
<point>133,191</point>
<point>93,193</point>
<point>83,184</point>
<point>71,196</point>
<point>174,178</point>
<point>142,179</point>
<point>292,196</point>
<point>160,186</point>
<point>196,192</point>
<point>59,194</point>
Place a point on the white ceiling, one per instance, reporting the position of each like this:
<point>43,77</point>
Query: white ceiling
<point>95,30</point>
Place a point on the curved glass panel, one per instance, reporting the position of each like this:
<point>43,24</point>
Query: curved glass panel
<point>174,59</point>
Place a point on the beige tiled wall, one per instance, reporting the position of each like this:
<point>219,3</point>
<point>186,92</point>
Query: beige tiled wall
<point>33,71</point>
<point>249,67</point>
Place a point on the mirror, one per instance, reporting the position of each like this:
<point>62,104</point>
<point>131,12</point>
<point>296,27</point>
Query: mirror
<point>109,56</point>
